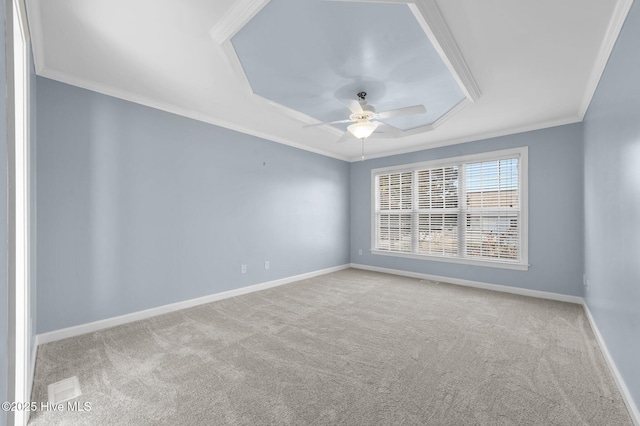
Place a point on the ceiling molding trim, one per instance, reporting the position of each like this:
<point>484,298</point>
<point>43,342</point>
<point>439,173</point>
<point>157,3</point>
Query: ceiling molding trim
<point>613,31</point>
<point>427,128</point>
<point>453,111</point>
<point>296,115</point>
<point>236,18</point>
<point>35,29</point>
<point>222,34</point>
<point>231,57</point>
<point>184,112</point>
<point>428,15</point>
<point>472,138</point>
<point>223,31</point>
<point>338,132</point>
<point>430,127</point>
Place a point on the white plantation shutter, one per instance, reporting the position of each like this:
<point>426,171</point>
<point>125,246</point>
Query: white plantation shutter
<point>393,211</point>
<point>438,211</point>
<point>493,210</point>
<point>464,209</point>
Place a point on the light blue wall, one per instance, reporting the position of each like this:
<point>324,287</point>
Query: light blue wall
<point>555,212</point>
<point>138,208</point>
<point>4,253</point>
<point>612,204</point>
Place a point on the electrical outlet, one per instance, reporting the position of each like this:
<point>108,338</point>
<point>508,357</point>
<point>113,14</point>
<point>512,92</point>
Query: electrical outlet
<point>243,269</point>
<point>266,264</point>
<point>360,252</point>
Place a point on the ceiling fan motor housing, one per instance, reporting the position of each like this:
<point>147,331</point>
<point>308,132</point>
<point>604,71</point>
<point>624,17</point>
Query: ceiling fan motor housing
<point>365,115</point>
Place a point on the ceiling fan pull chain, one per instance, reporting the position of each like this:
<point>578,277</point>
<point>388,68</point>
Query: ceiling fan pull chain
<point>362,149</point>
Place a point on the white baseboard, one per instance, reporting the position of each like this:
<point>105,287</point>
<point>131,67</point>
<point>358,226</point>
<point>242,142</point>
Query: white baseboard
<point>622,387</point>
<point>136,316</point>
<point>624,391</point>
<point>32,373</point>
<point>476,284</point>
<point>32,367</point>
<point>77,330</point>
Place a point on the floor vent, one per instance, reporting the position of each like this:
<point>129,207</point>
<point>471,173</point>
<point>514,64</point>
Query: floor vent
<point>64,390</point>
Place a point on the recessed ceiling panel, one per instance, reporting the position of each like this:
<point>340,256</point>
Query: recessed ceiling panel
<point>312,55</point>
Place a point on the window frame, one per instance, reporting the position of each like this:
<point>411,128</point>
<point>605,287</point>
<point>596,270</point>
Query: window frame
<point>523,172</point>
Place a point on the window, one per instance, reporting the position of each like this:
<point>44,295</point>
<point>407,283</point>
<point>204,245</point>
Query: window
<point>469,209</point>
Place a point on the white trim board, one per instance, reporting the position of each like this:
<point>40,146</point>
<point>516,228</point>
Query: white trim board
<point>471,138</point>
<point>32,372</point>
<point>634,413</point>
<point>136,316</point>
<point>173,109</point>
<point>32,366</point>
<point>476,284</point>
<point>78,330</point>
<point>620,13</point>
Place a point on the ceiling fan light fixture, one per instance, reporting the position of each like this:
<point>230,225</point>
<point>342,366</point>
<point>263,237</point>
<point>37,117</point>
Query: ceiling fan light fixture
<point>362,129</point>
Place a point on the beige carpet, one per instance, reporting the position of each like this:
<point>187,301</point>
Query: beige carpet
<point>348,348</point>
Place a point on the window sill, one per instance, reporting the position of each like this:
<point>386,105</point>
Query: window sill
<point>486,263</point>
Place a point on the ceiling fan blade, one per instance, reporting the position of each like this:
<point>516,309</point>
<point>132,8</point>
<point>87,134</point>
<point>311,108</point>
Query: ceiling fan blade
<point>345,137</point>
<point>387,131</point>
<point>416,109</point>
<point>328,122</point>
<point>354,106</point>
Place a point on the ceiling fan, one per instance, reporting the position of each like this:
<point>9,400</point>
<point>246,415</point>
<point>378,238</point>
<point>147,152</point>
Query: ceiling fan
<point>363,116</point>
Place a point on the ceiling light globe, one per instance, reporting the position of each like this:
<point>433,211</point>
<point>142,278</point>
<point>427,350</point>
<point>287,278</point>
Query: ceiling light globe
<point>362,130</point>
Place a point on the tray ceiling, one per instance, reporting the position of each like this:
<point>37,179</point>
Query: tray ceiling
<point>325,52</point>
<point>269,68</point>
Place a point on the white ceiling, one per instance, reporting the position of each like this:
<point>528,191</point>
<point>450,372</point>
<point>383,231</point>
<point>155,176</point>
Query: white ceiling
<point>530,64</point>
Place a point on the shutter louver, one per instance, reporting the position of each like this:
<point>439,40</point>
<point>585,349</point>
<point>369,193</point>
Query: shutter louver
<point>438,234</point>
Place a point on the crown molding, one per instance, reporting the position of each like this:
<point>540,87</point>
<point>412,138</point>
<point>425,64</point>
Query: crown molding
<point>620,13</point>
<point>222,33</point>
<point>233,20</point>
<point>233,61</point>
<point>236,18</point>
<point>428,15</point>
<point>173,109</point>
<point>429,127</point>
<point>295,114</point>
<point>472,138</point>
<point>453,111</point>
